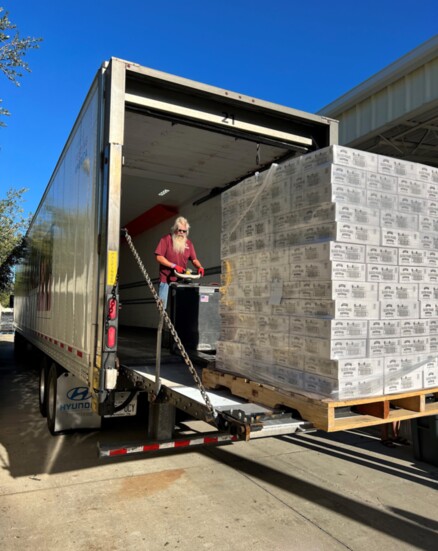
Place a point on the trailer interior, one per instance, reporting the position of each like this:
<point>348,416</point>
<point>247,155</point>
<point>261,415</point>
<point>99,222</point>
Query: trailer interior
<point>183,145</point>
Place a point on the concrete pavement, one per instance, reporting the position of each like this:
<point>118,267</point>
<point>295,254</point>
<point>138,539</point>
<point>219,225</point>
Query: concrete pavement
<point>317,491</point>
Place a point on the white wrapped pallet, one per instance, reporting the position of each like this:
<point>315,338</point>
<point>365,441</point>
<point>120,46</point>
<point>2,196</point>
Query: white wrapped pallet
<point>331,269</point>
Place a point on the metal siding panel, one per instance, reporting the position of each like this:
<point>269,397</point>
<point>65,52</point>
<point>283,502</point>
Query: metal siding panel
<point>382,108</point>
<point>432,70</point>
<point>365,116</point>
<point>86,175</point>
<point>416,84</point>
<point>348,126</point>
<point>393,100</point>
<point>56,305</point>
<point>424,55</point>
<point>398,99</point>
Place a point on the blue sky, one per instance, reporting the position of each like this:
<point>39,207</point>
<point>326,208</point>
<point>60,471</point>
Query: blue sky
<point>300,54</point>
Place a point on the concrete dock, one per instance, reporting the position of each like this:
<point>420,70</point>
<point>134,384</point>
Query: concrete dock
<point>316,491</point>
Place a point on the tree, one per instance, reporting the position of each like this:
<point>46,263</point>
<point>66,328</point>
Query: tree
<point>12,52</point>
<point>13,226</point>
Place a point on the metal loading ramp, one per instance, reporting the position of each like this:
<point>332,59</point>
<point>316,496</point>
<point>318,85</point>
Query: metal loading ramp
<point>179,390</point>
<point>238,419</point>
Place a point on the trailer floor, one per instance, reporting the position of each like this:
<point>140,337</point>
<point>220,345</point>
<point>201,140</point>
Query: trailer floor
<point>316,491</point>
<point>135,343</point>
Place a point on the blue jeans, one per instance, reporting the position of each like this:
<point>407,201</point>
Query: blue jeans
<point>163,292</point>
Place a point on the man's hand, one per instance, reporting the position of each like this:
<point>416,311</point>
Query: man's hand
<point>201,271</point>
<point>178,269</point>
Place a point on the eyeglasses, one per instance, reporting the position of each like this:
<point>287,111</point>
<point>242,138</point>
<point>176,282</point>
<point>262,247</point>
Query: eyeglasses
<point>180,230</point>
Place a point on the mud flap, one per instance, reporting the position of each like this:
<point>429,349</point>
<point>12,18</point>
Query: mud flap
<point>73,405</point>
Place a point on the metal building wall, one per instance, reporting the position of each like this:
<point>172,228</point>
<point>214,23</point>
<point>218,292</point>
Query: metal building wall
<point>395,112</point>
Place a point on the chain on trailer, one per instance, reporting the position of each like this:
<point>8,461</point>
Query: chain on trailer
<point>171,327</point>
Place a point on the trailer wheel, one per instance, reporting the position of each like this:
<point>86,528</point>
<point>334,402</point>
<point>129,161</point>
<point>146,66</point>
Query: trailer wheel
<point>51,390</point>
<point>42,387</point>
<point>22,349</point>
<point>18,345</point>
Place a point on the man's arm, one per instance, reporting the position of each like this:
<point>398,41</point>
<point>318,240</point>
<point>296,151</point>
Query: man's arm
<point>162,260</point>
<point>198,265</point>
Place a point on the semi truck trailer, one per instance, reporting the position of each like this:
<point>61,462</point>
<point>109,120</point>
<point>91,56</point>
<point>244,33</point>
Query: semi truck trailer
<point>146,147</point>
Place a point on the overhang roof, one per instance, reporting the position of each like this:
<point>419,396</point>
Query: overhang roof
<point>395,112</point>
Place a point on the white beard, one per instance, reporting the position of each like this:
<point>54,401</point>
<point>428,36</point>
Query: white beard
<point>179,243</point>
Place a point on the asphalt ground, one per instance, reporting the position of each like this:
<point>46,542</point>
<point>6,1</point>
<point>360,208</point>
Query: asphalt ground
<point>316,491</point>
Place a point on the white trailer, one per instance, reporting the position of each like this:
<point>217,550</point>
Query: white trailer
<point>145,147</point>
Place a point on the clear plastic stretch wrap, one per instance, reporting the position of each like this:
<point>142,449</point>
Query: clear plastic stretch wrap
<point>330,275</point>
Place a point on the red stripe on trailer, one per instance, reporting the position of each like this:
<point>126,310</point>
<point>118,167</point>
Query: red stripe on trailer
<point>182,443</point>
<point>121,451</point>
<point>151,447</point>
<point>210,440</point>
<point>204,440</point>
<point>79,353</point>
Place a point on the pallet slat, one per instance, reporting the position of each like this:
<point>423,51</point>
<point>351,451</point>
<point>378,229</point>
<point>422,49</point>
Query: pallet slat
<point>322,412</point>
<point>412,403</point>
<point>375,409</point>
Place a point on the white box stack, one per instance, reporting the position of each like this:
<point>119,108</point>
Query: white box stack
<point>330,275</point>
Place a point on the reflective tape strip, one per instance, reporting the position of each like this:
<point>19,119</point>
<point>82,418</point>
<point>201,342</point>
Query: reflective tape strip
<point>79,353</point>
<point>175,444</point>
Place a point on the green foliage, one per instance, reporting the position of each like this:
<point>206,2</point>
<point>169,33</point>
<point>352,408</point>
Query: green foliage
<point>13,226</point>
<point>13,49</point>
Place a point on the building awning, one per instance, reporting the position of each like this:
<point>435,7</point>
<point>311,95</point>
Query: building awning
<point>395,112</point>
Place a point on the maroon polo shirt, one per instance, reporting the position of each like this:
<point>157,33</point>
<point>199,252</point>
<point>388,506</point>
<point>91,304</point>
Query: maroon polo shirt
<point>165,248</point>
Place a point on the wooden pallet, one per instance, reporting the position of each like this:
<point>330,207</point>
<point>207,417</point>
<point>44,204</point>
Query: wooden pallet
<point>324,413</point>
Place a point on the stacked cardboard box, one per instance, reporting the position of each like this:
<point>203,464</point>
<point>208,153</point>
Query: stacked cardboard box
<point>330,275</point>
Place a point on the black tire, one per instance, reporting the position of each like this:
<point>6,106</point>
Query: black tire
<point>42,386</point>
<point>50,391</point>
<point>18,345</point>
<point>23,350</point>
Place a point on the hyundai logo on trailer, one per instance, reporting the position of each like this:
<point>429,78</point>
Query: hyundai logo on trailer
<point>78,394</point>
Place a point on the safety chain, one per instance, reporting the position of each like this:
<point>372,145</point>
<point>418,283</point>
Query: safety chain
<point>171,327</point>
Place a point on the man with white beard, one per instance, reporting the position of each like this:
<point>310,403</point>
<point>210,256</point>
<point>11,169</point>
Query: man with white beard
<point>172,253</point>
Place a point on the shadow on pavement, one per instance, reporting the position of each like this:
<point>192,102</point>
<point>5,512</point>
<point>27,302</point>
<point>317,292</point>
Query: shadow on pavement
<point>411,529</point>
<point>331,444</point>
<point>29,448</point>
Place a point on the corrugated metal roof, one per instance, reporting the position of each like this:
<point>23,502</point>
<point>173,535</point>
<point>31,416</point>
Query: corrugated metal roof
<point>395,112</point>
